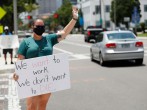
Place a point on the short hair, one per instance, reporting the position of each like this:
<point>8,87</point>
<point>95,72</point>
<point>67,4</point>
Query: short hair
<point>33,23</point>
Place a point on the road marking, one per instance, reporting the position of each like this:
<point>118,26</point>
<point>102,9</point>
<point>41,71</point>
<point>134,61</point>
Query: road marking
<point>80,56</point>
<point>13,101</point>
<point>76,56</point>
<point>76,44</point>
<point>4,86</point>
<point>12,96</point>
<point>64,51</point>
<point>3,79</point>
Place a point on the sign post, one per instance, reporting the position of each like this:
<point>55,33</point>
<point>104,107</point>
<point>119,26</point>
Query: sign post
<point>15,16</point>
<point>127,19</point>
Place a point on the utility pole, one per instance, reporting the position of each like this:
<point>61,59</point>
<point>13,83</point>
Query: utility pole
<point>15,16</point>
<point>104,13</point>
<point>114,14</point>
<point>100,13</point>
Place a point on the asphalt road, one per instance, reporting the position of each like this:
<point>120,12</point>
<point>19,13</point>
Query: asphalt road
<point>117,86</point>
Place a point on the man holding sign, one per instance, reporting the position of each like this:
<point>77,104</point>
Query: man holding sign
<point>8,50</point>
<point>37,46</point>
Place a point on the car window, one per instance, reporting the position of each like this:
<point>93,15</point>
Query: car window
<point>100,37</point>
<point>115,36</point>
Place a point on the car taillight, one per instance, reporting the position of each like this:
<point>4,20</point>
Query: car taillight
<point>139,44</point>
<point>88,33</point>
<point>111,45</point>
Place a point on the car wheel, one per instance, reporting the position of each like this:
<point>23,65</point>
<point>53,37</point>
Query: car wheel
<point>102,62</point>
<point>138,61</point>
<point>85,40</point>
<point>91,55</point>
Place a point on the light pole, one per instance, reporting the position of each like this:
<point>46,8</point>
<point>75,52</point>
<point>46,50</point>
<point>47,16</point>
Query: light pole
<point>15,16</point>
<point>101,21</point>
<point>114,14</point>
<point>104,14</point>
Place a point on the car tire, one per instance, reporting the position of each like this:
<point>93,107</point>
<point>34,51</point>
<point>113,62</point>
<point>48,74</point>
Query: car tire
<point>102,62</point>
<point>85,39</point>
<point>138,61</point>
<point>91,56</point>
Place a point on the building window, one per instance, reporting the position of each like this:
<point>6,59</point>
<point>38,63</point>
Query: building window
<point>145,8</point>
<point>107,8</point>
<point>107,24</point>
<point>97,9</point>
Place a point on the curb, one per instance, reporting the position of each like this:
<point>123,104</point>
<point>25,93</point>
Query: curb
<point>143,38</point>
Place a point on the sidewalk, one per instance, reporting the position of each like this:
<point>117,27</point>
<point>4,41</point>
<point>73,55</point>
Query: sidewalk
<point>142,38</point>
<point>8,92</point>
<point>9,68</point>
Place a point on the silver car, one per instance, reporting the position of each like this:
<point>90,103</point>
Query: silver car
<point>117,45</point>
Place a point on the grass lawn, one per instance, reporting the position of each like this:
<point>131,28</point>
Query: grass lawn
<point>142,35</point>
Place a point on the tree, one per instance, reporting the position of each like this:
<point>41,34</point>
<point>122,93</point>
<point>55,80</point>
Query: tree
<point>123,8</point>
<point>64,13</point>
<point>22,6</point>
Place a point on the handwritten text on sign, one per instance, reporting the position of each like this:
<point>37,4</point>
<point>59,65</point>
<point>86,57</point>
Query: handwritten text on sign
<point>42,75</point>
<point>9,41</point>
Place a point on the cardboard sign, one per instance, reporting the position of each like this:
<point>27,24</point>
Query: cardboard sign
<point>9,41</point>
<point>42,75</point>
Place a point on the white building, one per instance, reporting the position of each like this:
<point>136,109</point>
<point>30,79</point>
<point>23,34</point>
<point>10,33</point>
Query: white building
<point>93,16</point>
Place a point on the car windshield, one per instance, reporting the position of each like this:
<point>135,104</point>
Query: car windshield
<point>115,36</point>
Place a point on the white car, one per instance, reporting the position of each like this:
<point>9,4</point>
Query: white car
<point>117,45</point>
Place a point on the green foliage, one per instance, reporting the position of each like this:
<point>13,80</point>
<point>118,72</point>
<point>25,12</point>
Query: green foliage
<point>142,35</point>
<point>65,15</point>
<point>30,7</point>
<point>123,8</point>
<point>7,5</point>
<point>142,24</point>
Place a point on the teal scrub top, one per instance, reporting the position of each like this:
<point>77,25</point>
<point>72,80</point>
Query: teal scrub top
<point>31,48</point>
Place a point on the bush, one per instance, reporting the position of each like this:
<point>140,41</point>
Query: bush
<point>142,26</point>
